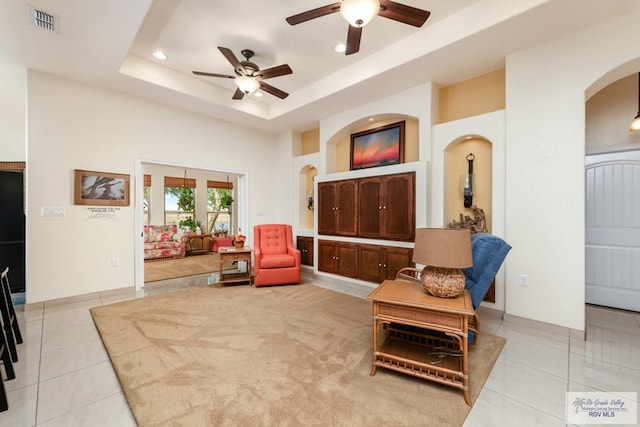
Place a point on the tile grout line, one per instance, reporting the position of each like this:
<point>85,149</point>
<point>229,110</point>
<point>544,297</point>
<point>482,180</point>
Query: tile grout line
<point>35,421</point>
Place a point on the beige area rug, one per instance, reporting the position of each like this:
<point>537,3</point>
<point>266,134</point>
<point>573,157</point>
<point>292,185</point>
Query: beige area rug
<point>183,267</point>
<point>270,356</point>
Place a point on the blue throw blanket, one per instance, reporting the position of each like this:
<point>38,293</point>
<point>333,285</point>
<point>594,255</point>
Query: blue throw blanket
<point>488,253</point>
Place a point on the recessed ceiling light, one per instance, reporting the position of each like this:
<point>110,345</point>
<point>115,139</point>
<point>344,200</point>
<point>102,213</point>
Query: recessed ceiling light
<point>258,94</point>
<point>158,54</point>
<point>340,48</point>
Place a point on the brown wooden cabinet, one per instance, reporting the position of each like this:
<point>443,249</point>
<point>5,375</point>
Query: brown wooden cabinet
<point>386,207</point>
<point>337,201</point>
<point>378,263</point>
<point>338,258</point>
<point>372,263</point>
<point>378,207</point>
<point>305,246</point>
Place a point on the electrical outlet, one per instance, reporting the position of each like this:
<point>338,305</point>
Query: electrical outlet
<point>115,262</point>
<point>523,280</point>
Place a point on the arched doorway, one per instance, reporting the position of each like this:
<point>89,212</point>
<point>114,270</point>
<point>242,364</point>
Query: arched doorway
<point>612,197</point>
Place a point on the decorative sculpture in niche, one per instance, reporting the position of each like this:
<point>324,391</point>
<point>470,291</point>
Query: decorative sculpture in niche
<point>478,224</point>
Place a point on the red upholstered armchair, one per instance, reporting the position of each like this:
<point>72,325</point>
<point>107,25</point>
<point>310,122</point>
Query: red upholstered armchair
<point>277,261</point>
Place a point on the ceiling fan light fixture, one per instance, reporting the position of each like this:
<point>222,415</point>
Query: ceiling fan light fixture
<point>247,84</point>
<point>358,13</point>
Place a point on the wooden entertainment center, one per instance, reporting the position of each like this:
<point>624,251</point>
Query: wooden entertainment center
<point>378,207</point>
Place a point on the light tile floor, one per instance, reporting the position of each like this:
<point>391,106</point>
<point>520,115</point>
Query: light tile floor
<point>64,377</point>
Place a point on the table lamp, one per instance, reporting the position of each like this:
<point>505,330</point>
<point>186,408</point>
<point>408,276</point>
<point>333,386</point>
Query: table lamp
<point>443,252</point>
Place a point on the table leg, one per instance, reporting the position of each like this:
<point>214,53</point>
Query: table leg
<point>465,360</point>
<point>375,342</point>
<point>220,271</point>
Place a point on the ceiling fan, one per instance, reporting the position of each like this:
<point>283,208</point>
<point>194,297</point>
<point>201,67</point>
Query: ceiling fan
<point>358,13</point>
<point>249,77</point>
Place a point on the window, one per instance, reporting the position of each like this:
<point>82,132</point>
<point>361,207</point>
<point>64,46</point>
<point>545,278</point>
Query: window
<point>179,202</point>
<point>219,204</point>
<point>145,199</point>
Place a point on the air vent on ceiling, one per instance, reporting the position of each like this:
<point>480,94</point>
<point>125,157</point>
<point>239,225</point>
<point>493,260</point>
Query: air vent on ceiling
<point>44,20</point>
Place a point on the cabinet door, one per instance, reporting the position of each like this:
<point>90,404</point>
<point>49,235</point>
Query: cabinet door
<point>397,258</point>
<point>326,208</point>
<point>347,259</point>
<point>305,246</point>
<point>326,256</point>
<point>371,259</point>
<point>347,206</point>
<point>399,207</point>
<point>370,207</point>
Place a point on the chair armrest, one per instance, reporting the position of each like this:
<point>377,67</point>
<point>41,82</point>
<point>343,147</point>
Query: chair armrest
<point>411,274</point>
<point>295,252</point>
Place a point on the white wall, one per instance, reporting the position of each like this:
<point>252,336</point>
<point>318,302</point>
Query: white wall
<point>13,83</point>
<point>76,126</point>
<point>545,127</point>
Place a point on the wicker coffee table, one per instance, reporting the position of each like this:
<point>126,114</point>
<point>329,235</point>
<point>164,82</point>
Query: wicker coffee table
<point>441,355</point>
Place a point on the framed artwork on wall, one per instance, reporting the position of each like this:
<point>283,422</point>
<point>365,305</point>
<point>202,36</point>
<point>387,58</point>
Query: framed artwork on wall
<point>100,188</point>
<point>382,146</point>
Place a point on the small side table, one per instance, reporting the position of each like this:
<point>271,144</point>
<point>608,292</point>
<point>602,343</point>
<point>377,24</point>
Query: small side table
<point>442,356</point>
<point>231,254</point>
<point>198,243</point>
<point>219,242</point>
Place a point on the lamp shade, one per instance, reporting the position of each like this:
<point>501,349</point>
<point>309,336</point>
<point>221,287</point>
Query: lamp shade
<point>440,247</point>
<point>635,124</point>
<point>358,13</point>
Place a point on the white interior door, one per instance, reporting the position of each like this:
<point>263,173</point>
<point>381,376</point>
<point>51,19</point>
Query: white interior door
<point>613,230</point>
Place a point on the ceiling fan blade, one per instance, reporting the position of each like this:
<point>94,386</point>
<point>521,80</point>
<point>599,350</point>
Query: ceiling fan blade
<point>280,70</point>
<point>238,94</point>
<point>202,73</point>
<point>403,13</point>
<point>273,90</point>
<point>313,13</point>
<point>232,59</point>
<point>353,40</point>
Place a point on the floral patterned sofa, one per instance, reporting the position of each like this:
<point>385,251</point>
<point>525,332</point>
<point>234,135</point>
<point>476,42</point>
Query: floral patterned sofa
<point>163,241</point>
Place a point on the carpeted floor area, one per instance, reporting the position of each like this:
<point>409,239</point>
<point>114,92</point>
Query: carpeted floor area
<point>183,267</point>
<point>284,355</point>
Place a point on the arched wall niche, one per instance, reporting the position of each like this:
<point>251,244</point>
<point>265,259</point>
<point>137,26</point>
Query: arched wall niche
<point>306,190</point>
<point>338,146</point>
<point>446,138</point>
<point>609,112</point>
<point>456,167</point>
<point>617,73</point>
